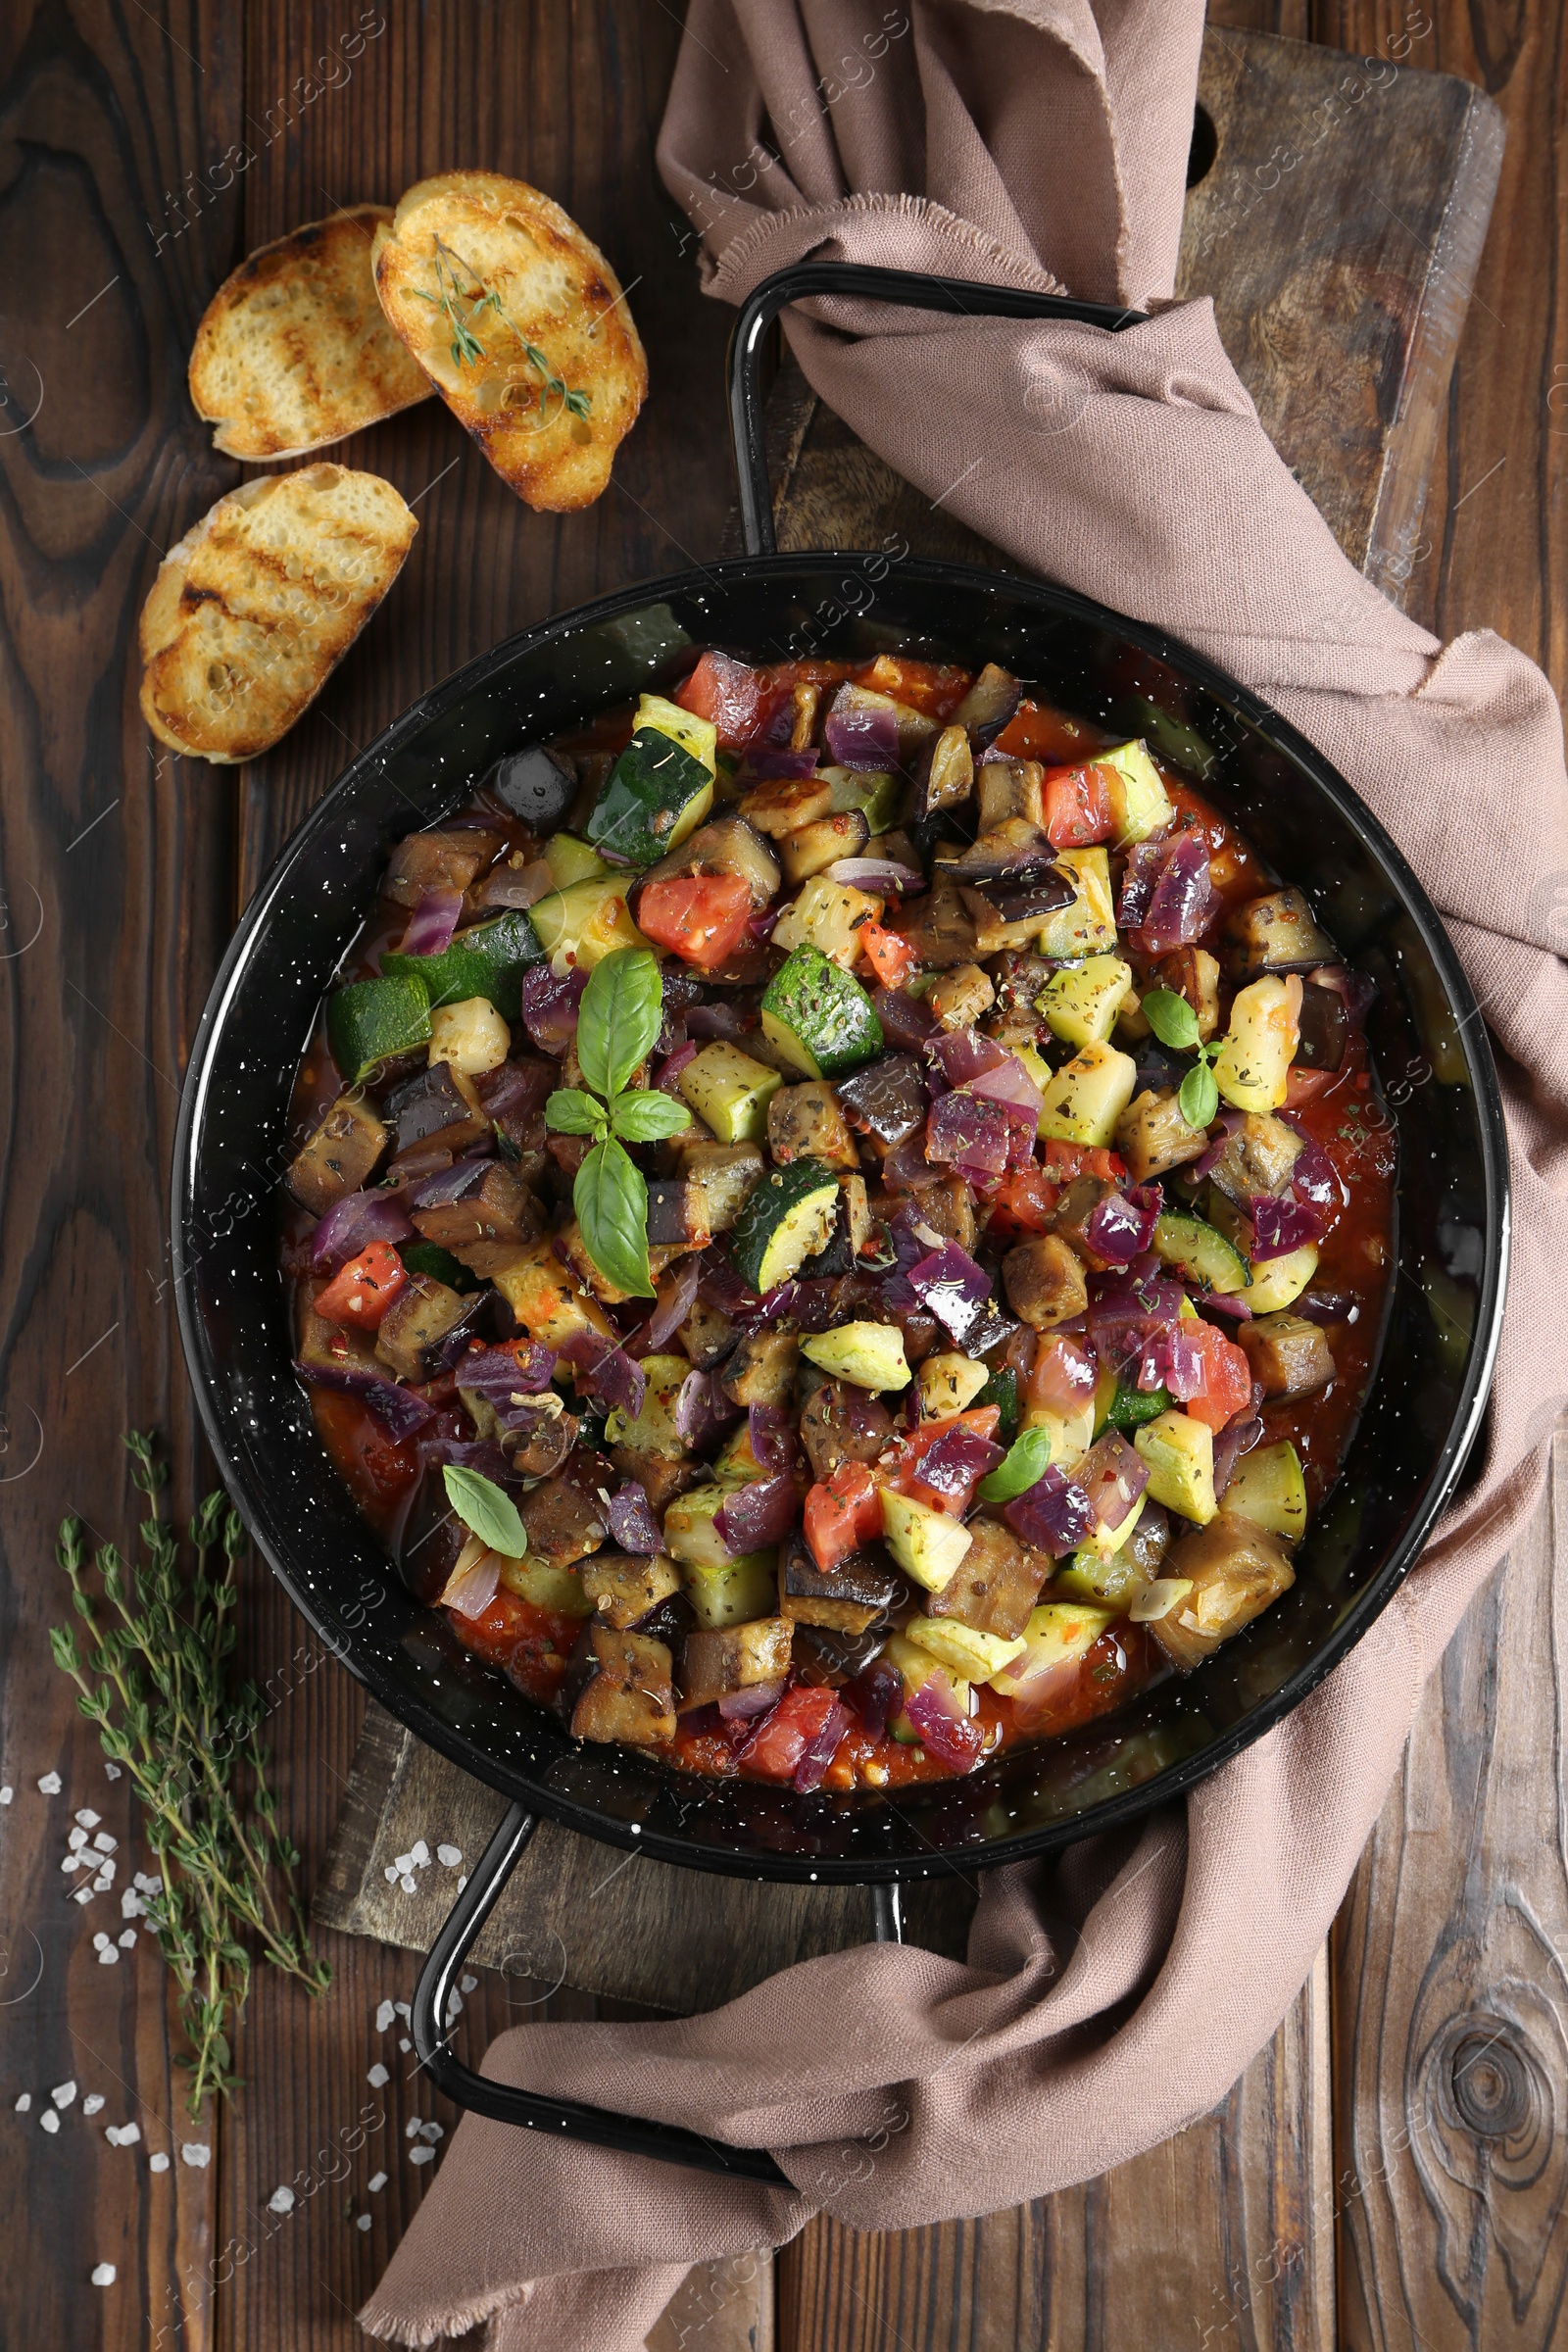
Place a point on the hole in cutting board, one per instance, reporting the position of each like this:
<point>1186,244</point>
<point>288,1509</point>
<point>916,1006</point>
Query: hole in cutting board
<point>1205,147</point>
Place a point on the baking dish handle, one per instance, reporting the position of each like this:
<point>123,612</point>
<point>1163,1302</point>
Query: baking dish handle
<point>914,289</point>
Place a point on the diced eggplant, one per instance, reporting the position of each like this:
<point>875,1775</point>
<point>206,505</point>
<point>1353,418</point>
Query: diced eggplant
<point>1009,789</point>
<point>841,1423</point>
<point>676,1215</point>
<point>887,1099</point>
<point>1290,1356</point>
<point>624,1588</point>
<point>1044,1282</point>
<point>762,1370</point>
<point>727,846</point>
<point>780,806</point>
<point>1232,1570</point>
<point>1193,973</point>
<point>441,859</point>
<point>720,1659</point>
<point>565,1518</point>
<point>1152,1136</point>
<point>539,785</point>
<point>1276,934</point>
<point>960,997</point>
<point>723,1178</point>
<point>811,848</point>
<point>418,1319</point>
<point>988,706</point>
<point>662,1476</point>
<point>1257,1158</point>
<point>514,1100</point>
<point>806,1122</point>
<point>1325,1023</point>
<point>335,1347</point>
<point>996,1584</point>
<point>629,1694</point>
<point>500,1208</point>
<point>543,1450</point>
<point>706,1335</point>
<point>940,927</point>
<point>1015,852</point>
<point>947,1209</point>
<point>805,695</point>
<point>338,1156</point>
<point>1071,1215</point>
<point>944,774</point>
<point>439,1105</point>
<point>849,1596</point>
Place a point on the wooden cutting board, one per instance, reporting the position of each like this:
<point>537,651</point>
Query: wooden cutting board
<point>1336,217</point>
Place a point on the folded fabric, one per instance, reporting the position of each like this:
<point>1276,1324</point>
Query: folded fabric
<point>898,2087</point>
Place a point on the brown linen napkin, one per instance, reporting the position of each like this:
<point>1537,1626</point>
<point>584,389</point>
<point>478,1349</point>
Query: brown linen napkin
<point>1043,141</point>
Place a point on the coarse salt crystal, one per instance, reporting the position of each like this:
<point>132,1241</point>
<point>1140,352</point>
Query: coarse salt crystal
<point>157,2163</point>
<point>406,1881</point>
<point>391,1874</point>
<point>463,1881</point>
<point>89,1819</point>
<point>405,1862</point>
<point>432,2133</point>
<point>377,2076</point>
<point>111,1772</point>
<point>99,1940</point>
<point>92,2102</point>
<point>105,1844</point>
<point>76,1839</point>
<point>402,2008</point>
<point>71,1862</point>
<point>376,2180</point>
<point>110,1954</point>
<point>49,2120</point>
<point>449,1855</point>
<point>131,1905</point>
<point>420,1852</point>
<point>103,2274</point>
<point>362,2221</point>
<point>411,2130</point>
<point>454,2005</point>
<point>49,1785</point>
<point>195,2152</point>
<point>281,2200</point>
<point>471,1984</point>
<point>63,2094</point>
<point>404,2043</point>
<point>127,1938</point>
<point>6,1794</point>
<point>122,2135</point>
<point>384,2015</point>
<point>23,2102</point>
<point>421,2155</point>
<point>84,1894</point>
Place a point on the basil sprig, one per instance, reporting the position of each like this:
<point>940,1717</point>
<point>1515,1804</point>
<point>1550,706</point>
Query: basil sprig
<point>1028,1460</point>
<point>1175,1024</point>
<point>617,1026</point>
<point>486,1511</point>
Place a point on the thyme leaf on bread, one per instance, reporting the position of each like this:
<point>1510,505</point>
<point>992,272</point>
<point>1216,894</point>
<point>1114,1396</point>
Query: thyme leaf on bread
<point>157,1685</point>
<point>463,306</point>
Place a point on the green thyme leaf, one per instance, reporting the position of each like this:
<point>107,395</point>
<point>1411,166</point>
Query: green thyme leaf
<point>1028,1458</point>
<point>610,1199</point>
<point>617,1026</point>
<point>1198,1099</point>
<point>646,1115</point>
<point>1171,1018</point>
<point>486,1511</point>
<point>570,1111</point>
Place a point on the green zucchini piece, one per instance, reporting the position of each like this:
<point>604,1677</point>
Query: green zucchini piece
<point>1001,1391</point>
<point>735,1592</point>
<point>878,796</point>
<point>870,1354</point>
<point>730,1091</point>
<point>660,789</point>
<point>1199,1251</point>
<point>428,1258</point>
<point>1139,802</point>
<point>572,861</point>
<point>370,1020</point>
<point>585,922</point>
<point>1268,1488</point>
<point>786,1220</point>
<point>488,959</point>
<point>820,1020</point>
<point>1131,1408</point>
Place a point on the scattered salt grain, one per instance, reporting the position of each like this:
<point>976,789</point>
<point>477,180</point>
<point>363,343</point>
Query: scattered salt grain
<point>131,1905</point>
<point>391,1874</point>
<point>49,2120</point>
<point>376,2180</point>
<point>63,2094</point>
<point>384,2015</point>
<point>362,2221</point>
<point>76,1839</point>
<point>6,1794</point>
<point>103,2274</point>
<point>420,1852</point>
<point>432,2133</point>
<point>122,2135</point>
<point>421,2155</point>
<point>449,1856</point>
<point>89,1819</point>
<point>469,1984</point>
<point>463,1881</point>
<point>112,1772</point>
<point>127,1939</point>
<point>84,1894</point>
<point>402,2008</point>
<point>105,1844</point>
<point>196,2152</point>
<point>25,2102</point>
<point>281,2200</point>
<point>404,2043</point>
<point>403,1862</point>
<point>49,1785</point>
<point>92,2102</point>
<point>157,2163</point>
<point>108,1955</point>
<point>377,2076</point>
<point>411,2130</point>
<point>408,1881</point>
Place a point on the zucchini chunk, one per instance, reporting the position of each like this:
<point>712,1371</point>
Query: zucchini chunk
<point>585,922</point>
<point>572,861</point>
<point>730,1093</point>
<point>1088,927</point>
<point>1059,1632</point>
<point>370,1020</point>
<point>1088,1096</point>
<point>1153,1137</point>
<point>1280,1280</point>
<point>338,1156</point>
<point>1268,1488</point>
<point>819,1019</point>
<point>654,1430</point>
<point>1199,1251</point>
<point>660,789</point>
<point>732,1592</point>
<point>1139,802</point>
<point>1179,1453</point>
<point>827,915</point>
<point>963,1649</point>
<point>786,1220</point>
<point>926,1544</point>
<point>486,960</point>
<point>874,793</point>
<point>870,1354</point>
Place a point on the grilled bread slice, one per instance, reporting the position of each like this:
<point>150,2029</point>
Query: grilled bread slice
<point>294,350</point>
<point>521,322</point>
<point>253,610</point>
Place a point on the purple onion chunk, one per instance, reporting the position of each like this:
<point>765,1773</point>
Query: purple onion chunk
<point>964,1053</point>
<point>770,1430</point>
<point>942,1724</point>
<point>756,1516</point>
<point>1183,900</point>
<point>1112,1475</point>
<point>970,1133</point>
<point>465,1176</point>
<point>674,1293</point>
<point>883,874</point>
<point>471,1589</point>
<point>1121,1226</point>
<point>757,1699</point>
<point>907,1021</point>
<point>352,1223</point>
<point>703,1411</point>
<point>820,1749</point>
<point>951,1285</point>
<point>632,1519</point>
<point>433,923</point>
<point>875,1694</point>
<point>1280,1225</point>
<point>862,739</point>
<point>549,1005</point>
<point>956,1463</point>
<point>771,762</point>
<point>398,1409</point>
<point>1313,1176</point>
<point>607,1372</point>
<point>1055,1515</point>
<point>1229,1448</point>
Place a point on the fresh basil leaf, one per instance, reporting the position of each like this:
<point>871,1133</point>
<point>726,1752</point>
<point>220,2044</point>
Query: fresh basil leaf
<point>1028,1460</point>
<point>617,1023</point>
<point>570,1111</point>
<point>487,1509</point>
<point>610,1199</point>
<point>1171,1018</point>
<point>645,1116</point>
<point>1198,1099</point>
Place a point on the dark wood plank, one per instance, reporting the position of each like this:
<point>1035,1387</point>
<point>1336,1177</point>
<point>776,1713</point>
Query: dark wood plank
<point>112,876</point>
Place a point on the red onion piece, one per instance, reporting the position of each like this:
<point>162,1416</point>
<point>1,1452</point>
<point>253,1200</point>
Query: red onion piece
<point>953,1287</point>
<point>1313,1176</point>
<point>1009,1084</point>
<point>906,1169</point>
<point>517,885</point>
<point>956,1463</point>
<point>433,923</point>
<point>760,926</point>
<point>724,1019</point>
<point>964,1053</point>
<point>1183,900</point>
<point>1280,1225</point>
<point>550,1007</point>
<point>632,1519</point>
<point>820,1749</point>
<point>739,1706</point>
<point>1139,876</point>
<point>673,1293</point>
<point>875,1694</point>
<point>884,875</point>
<point>606,1371</point>
<point>398,1409</point>
<point>771,1432</point>
<point>1064,1375</point>
<point>507,1380</point>
<point>1228,1303</point>
<point>1112,1474</point>
<point>861,739</point>
<point>1054,1515</point>
<point>969,1132</point>
<point>352,1223</point>
<point>1121,1226</point>
<point>756,1516</point>
<point>946,1730</point>
<point>907,1021</point>
<point>1229,1448</point>
<point>451,1184</point>
<point>703,1411</point>
<point>1229,1124</point>
<point>470,1589</point>
<point>668,1080</point>
<point>768,762</point>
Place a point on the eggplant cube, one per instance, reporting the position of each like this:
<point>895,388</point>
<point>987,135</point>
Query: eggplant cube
<point>1044,1282</point>
<point>629,1694</point>
<point>415,1325</point>
<point>806,1122</point>
<point>762,1370</point>
<point>719,1661</point>
<point>1153,1137</point>
<point>1276,933</point>
<point>338,1156</point>
<point>623,1587</point>
<point>1290,1356</point>
<point>848,1598</point>
<point>1233,1569</point>
<point>501,1209</point>
<point>993,1588</point>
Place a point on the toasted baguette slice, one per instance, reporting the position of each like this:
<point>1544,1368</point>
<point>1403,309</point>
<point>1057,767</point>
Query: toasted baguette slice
<point>557,291</point>
<point>294,350</point>
<point>253,610</point>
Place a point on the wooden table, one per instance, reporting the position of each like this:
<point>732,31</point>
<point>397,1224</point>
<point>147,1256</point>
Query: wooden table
<point>1392,2173</point>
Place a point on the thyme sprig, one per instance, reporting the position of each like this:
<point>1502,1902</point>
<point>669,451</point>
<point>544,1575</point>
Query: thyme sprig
<point>462,305</point>
<point>156,1684</point>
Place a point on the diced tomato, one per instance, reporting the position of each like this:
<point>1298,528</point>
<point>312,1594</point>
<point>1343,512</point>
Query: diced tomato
<point>1077,806</point>
<point>364,1288</point>
<point>702,917</point>
<point>778,1746</point>
<point>1302,1085</point>
<point>935,687</point>
<point>889,954</point>
<point>842,1513</point>
<point>1061,1378</point>
<point>1067,1161</point>
<point>728,692</point>
<point>1022,1201</point>
<point>1045,735</point>
<point>1227,1377</point>
<point>530,1645</point>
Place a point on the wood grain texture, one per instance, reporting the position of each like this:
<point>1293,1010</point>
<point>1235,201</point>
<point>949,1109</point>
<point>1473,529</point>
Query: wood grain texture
<point>113,911</point>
